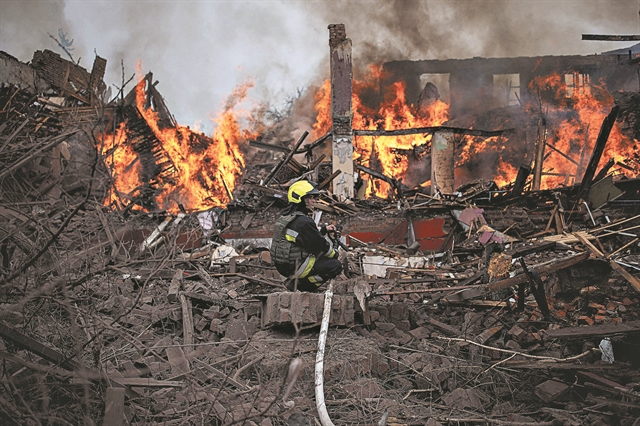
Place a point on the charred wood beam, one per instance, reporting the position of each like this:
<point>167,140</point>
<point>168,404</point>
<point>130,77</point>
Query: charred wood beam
<point>314,144</point>
<point>317,162</point>
<point>563,154</point>
<point>521,180</point>
<point>555,174</point>
<point>432,129</point>
<point>304,149</point>
<point>325,183</point>
<point>286,159</point>
<point>537,288</point>
<point>264,145</point>
<point>391,181</point>
<point>416,151</point>
<point>604,37</point>
<point>532,249</point>
<point>603,136</point>
<point>604,170</point>
<point>540,147</point>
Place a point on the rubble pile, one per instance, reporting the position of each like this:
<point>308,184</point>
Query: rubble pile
<point>483,306</point>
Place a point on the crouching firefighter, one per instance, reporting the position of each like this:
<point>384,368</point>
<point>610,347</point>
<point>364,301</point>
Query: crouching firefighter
<point>299,250</point>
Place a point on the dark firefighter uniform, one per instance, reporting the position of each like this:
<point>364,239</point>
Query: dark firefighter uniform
<point>298,249</point>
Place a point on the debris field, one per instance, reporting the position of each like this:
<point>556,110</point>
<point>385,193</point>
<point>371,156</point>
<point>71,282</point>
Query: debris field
<point>482,304</point>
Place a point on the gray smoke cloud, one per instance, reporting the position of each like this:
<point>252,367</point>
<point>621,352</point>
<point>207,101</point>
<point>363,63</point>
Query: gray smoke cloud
<point>385,30</point>
<point>199,50</point>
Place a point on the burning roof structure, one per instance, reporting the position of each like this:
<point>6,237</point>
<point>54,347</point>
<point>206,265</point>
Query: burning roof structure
<point>489,212</point>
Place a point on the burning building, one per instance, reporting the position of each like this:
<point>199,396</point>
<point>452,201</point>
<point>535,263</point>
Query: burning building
<point>136,281</point>
<point>567,96</point>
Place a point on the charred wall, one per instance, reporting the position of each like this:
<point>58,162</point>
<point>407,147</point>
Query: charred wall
<point>471,81</point>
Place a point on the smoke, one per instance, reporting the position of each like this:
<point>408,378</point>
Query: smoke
<point>200,50</point>
<point>384,30</point>
<point>25,26</point>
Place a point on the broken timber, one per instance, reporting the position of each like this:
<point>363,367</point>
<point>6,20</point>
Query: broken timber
<point>595,330</point>
<point>431,129</point>
<point>541,270</point>
<point>614,265</point>
<point>604,37</point>
<point>286,159</point>
<point>601,141</point>
<point>303,150</point>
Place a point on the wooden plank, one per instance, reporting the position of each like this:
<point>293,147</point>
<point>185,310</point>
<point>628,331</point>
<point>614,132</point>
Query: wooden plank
<point>32,345</point>
<point>601,142</point>
<point>541,270</point>
<point>431,129</point>
<point>149,383</point>
<point>325,183</point>
<point>595,330</point>
<point>286,159</point>
<point>114,407</point>
<point>221,375</point>
<point>174,286</point>
<point>539,160</point>
<point>452,331</point>
<point>635,282</point>
<point>605,37</point>
<point>187,323</point>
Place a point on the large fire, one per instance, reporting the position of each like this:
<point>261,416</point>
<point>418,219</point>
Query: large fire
<point>573,111</point>
<point>378,152</point>
<point>194,172</point>
<point>574,134</point>
<point>572,116</point>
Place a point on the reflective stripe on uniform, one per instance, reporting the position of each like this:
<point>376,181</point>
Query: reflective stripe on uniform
<point>291,235</point>
<point>316,279</point>
<point>306,266</point>
<point>332,254</point>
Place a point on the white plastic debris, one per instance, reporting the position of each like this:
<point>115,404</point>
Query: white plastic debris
<point>223,254</point>
<point>207,221</point>
<point>606,348</point>
<point>377,265</point>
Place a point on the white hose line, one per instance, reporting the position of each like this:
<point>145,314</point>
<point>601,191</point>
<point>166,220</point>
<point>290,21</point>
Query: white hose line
<point>319,376</point>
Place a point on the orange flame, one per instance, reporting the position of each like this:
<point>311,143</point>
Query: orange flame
<point>198,172</point>
<point>394,113</point>
<point>574,118</point>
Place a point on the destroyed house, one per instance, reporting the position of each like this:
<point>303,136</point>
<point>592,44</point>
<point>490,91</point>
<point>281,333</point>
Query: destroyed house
<point>477,84</point>
<point>473,305</point>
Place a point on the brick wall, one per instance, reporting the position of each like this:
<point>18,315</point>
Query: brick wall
<point>64,74</point>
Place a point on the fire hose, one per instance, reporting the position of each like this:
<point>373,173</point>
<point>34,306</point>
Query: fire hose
<point>319,372</point>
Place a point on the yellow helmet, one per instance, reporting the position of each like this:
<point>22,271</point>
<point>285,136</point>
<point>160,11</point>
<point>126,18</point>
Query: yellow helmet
<point>301,189</point>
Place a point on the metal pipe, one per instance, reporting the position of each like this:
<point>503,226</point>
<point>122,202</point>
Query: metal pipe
<point>590,215</point>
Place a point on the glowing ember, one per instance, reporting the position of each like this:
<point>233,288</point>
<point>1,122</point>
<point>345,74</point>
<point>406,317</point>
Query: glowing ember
<point>197,172</point>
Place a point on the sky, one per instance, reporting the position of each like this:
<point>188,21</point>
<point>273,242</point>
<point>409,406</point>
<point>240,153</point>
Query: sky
<point>199,50</point>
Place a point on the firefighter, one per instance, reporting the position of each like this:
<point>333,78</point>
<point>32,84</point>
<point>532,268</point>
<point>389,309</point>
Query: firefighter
<point>299,249</point>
